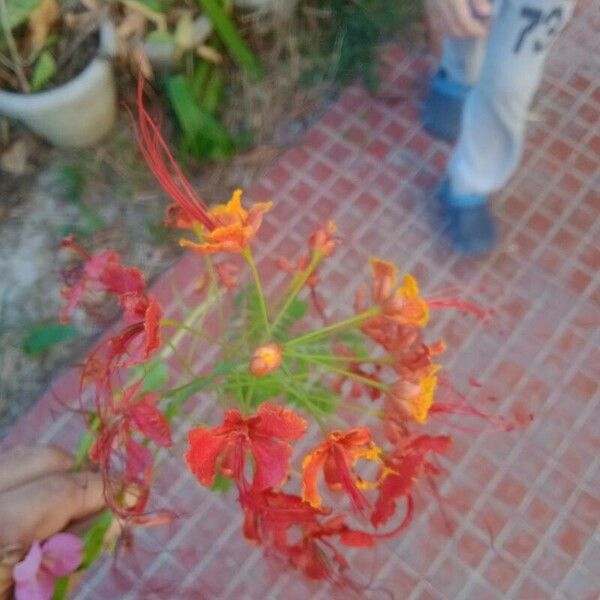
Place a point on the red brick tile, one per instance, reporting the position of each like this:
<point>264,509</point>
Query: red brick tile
<point>530,590</point>
<point>539,224</point>
<point>500,573</point>
<point>551,566</point>
<point>510,491</point>
<point>577,280</point>
<point>521,543</point>
<point>560,150</point>
<point>471,549</point>
<point>449,577</point>
<point>339,153</point>
<point>571,539</point>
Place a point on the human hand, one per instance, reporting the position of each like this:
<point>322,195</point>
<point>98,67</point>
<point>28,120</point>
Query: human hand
<point>40,496</point>
<point>459,18</point>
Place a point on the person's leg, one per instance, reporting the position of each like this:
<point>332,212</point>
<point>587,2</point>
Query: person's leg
<point>459,69</point>
<point>490,143</point>
<point>493,125</point>
<point>462,59</point>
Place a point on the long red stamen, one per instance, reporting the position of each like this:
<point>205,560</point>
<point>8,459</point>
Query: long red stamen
<point>168,173</point>
<point>463,305</point>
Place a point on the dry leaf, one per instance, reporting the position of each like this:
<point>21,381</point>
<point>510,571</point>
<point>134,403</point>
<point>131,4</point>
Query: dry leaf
<point>140,63</point>
<point>210,54</point>
<point>14,160</point>
<point>40,22</point>
<point>134,23</point>
<point>185,33</point>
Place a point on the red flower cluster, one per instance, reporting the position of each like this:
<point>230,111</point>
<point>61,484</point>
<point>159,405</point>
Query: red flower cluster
<point>125,423</point>
<point>134,416</point>
<point>140,336</point>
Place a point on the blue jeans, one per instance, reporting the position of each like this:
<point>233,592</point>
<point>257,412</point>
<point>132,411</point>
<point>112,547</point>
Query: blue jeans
<point>505,71</point>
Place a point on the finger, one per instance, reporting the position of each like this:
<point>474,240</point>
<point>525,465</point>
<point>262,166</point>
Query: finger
<point>25,463</point>
<point>468,24</point>
<point>482,9</point>
<point>40,508</point>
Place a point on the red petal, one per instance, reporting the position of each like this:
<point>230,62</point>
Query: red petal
<point>272,462</point>
<point>358,539</point>
<point>138,461</point>
<point>205,447</point>
<point>151,422</point>
<point>394,486</point>
<point>276,421</point>
<point>152,319</point>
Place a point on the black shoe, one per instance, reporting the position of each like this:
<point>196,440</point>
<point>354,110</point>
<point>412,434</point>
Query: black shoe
<point>471,226</point>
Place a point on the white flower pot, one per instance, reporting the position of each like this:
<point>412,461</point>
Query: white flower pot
<point>78,113</point>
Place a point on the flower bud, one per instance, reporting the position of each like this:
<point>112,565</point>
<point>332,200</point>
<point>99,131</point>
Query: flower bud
<point>265,359</point>
<point>323,240</point>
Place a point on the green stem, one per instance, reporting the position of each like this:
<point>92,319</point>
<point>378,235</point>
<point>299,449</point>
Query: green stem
<point>297,285</point>
<point>355,376</point>
<point>343,359</point>
<point>259,290</point>
<point>350,323</point>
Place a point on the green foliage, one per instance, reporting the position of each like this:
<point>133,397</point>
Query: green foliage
<point>231,38</point>
<point>17,12</point>
<point>93,539</point>
<point>43,70</point>
<point>357,28</point>
<point>204,137</point>
<point>42,337</point>
<point>221,484</point>
<point>153,374</point>
<point>70,181</point>
<point>295,312</point>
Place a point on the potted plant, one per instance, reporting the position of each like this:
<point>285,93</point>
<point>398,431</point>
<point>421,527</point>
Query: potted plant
<point>56,70</point>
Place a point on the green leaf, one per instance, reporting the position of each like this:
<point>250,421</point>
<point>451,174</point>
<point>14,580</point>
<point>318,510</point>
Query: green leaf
<point>231,38</point>
<point>295,312</point>
<point>43,71</point>
<point>159,37</point>
<point>221,484</point>
<point>61,588</point>
<point>85,443</point>
<point>93,539</point>
<point>203,135</point>
<point>43,337</point>
<point>17,12</point>
<point>70,181</point>
<point>154,375</point>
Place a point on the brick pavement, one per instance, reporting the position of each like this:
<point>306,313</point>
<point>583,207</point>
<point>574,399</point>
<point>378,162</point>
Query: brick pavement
<point>523,508</point>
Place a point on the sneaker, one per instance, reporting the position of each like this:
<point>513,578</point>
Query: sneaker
<point>471,225</point>
<point>443,107</point>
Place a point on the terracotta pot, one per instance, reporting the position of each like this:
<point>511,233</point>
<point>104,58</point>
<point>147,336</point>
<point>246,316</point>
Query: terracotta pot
<point>78,113</point>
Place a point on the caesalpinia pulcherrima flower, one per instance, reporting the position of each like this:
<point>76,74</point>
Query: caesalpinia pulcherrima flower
<point>265,436</point>
<point>415,399</point>
<point>405,466</point>
<point>400,304</point>
<point>123,427</point>
<point>222,228</point>
<point>337,457</point>
<point>140,336</point>
<point>379,353</point>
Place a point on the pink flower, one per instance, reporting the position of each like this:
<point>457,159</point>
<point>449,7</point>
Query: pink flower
<point>36,574</point>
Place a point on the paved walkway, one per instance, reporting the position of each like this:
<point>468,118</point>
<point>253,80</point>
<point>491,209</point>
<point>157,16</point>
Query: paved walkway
<point>535,492</point>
